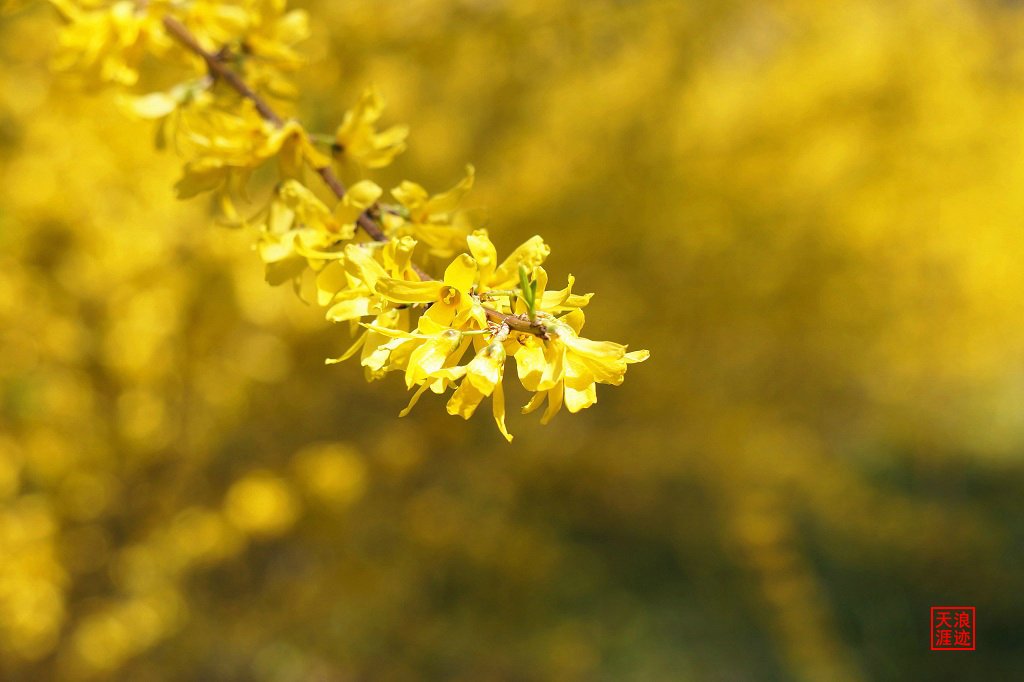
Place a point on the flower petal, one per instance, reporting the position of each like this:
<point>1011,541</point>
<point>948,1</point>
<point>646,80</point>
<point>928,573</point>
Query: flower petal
<point>461,274</point>
<point>576,400</point>
<point>554,403</point>
<point>498,409</point>
<point>465,400</point>
<point>535,402</point>
<point>415,398</point>
<point>351,309</point>
<point>483,252</point>
<point>530,253</point>
<point>637,356</point>
<point>448,201</point>
<point>530,364</point>
<point>403,291</point>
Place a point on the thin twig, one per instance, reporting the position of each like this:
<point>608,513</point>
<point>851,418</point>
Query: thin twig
<point>217,68</point>
<point>517,323</point>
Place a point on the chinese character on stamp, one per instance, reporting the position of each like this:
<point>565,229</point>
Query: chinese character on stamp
<point>952,628</point>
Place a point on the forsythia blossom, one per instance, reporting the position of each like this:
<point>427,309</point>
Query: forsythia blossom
<point>357,139</point>
<point>458,333</point>
<point>434,220</point>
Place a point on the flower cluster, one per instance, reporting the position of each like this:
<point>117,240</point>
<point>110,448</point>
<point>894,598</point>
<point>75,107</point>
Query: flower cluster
<point>361,245</point>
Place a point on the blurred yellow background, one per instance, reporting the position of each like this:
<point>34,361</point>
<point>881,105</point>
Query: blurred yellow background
<point>809,211</point>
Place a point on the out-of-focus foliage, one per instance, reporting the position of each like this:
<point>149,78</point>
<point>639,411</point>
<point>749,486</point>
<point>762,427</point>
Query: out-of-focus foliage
<point>810,211</point>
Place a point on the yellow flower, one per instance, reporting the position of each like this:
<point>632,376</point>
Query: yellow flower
<point>357,139</point>
<point>215,23</point>
<point>452,302</point>
<point>552,302</point>
<point>397,258</point>
<point>483,376</point>
<point>567,368</point>
<point>432,220</point>
<point>440,347</point>
<point>419,354</point>
<point>265,28</point>
<point>347,282</point>
<point>157,105</point>
<point>105,45</point>
<point>530,254</point>
<point>217,139</point>
<point>226,141</point>
<point>376,344</point>
<point>499,286</point>
<point>297,227</point>
<point>385,344</point>
<point>274,32</point>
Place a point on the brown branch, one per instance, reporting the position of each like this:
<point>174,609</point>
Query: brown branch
<point>217,68</point>
<point>517,323</point>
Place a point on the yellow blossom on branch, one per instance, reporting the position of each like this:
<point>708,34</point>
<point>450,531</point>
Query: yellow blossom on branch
<point>434,220</point>
<point>362,253</point>
<point>357,139</point>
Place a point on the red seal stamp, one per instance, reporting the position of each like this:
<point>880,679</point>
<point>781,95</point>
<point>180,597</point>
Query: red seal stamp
<point>952,628</point>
